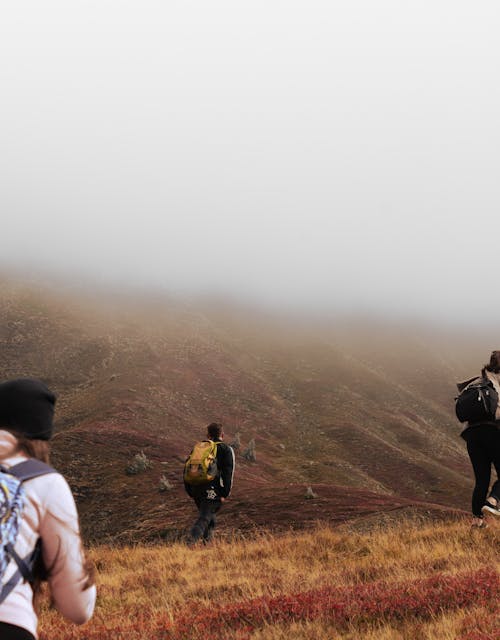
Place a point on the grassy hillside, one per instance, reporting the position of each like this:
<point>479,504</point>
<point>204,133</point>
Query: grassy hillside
<point>362,412</point>
<point>398,581</point>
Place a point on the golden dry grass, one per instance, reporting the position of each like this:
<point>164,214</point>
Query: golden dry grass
<point>144,589</point>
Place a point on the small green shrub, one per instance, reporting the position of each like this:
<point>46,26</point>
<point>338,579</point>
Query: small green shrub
<point>165,484</point>
<point>140,462</point>
<point>249,453</point>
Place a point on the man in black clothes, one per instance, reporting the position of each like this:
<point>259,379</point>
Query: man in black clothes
<point>210,496</point>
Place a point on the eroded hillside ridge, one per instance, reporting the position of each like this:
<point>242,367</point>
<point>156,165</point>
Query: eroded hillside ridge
<point>363,412</point>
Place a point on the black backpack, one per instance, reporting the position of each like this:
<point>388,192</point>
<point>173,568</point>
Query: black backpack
<point>477,401</point>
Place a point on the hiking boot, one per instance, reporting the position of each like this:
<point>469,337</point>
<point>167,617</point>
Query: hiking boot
<point>491,506</point>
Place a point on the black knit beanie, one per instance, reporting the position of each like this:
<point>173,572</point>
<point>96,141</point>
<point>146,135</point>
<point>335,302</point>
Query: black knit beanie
<point>27,406</point>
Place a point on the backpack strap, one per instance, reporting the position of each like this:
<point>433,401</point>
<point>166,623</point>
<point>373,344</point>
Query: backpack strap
<point>31,468</point>
<point>462,385</point>
<point>24,570</point>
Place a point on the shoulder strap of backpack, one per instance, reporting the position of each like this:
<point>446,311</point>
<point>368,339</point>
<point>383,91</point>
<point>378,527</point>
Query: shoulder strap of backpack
<point>31,468</point>
<point>462,385</point>
<point>24,570</point>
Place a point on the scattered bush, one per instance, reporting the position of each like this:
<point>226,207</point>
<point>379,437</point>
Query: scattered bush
<point>310,495</point>
<point>236,443</point>
<point>165,484</point>
<point>140,463</point>
<point>249,453</point>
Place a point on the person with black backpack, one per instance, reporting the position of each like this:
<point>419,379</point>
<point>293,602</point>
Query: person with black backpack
<point>39,529</point>
<point>208,479</point>
<point>478,405</point>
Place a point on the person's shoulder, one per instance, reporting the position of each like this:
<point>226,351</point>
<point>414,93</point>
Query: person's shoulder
<point>227,454</point>
<point>56,498</point>
<point>50,487</point>
<point>463,385</point>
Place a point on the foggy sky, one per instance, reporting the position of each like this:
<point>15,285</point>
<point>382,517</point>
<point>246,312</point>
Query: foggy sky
<point>325,154</point>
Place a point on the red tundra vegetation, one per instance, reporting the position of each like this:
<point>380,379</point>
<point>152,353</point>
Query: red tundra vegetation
<point>396,581</point>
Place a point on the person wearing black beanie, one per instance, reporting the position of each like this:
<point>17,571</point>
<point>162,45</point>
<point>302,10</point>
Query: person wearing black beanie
<point>27,407</point>
<point>37,506</point>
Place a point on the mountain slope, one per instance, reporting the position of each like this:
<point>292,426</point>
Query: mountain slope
<point>364,411</point>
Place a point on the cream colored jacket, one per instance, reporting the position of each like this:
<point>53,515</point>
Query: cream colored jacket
<point>49,513</point>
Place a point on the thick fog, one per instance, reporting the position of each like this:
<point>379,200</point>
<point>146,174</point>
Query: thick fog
<point>320,154</point>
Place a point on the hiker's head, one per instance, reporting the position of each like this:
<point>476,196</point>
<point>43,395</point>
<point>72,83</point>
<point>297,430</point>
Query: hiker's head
<point>215,431</point>
<point>27,411</point>
<point>494,364</point>
<point>27,407</point>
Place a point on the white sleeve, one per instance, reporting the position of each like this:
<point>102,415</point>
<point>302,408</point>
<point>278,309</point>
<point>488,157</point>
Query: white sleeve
<point>63,553</point>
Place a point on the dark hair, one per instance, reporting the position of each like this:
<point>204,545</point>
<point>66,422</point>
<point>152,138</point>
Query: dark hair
<point>494,364</point>
<point>39,449</point>
<point>214,430</point>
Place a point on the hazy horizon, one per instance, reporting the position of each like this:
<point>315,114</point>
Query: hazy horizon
<point>322,157</point>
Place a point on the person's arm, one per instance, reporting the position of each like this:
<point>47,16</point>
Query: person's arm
<point>227,470</point>
<point>189,489</point>
<point>63,555</point>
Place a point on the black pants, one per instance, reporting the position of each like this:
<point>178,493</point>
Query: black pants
<point>483,446</point>
<point>11,632</point>
<point>206,521</point>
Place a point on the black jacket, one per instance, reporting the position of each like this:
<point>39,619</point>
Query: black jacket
<point>223,482</point>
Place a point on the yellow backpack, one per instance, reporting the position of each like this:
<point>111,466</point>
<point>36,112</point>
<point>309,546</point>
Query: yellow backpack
<point>201,465</point>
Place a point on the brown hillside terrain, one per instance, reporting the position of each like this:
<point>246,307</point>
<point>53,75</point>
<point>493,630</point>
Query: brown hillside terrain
<point>362,413</point>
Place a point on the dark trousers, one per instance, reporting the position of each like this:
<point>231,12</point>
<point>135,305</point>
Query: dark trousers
<point>11,632</point>
<point>483,446</point>
<point>206,521</point>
